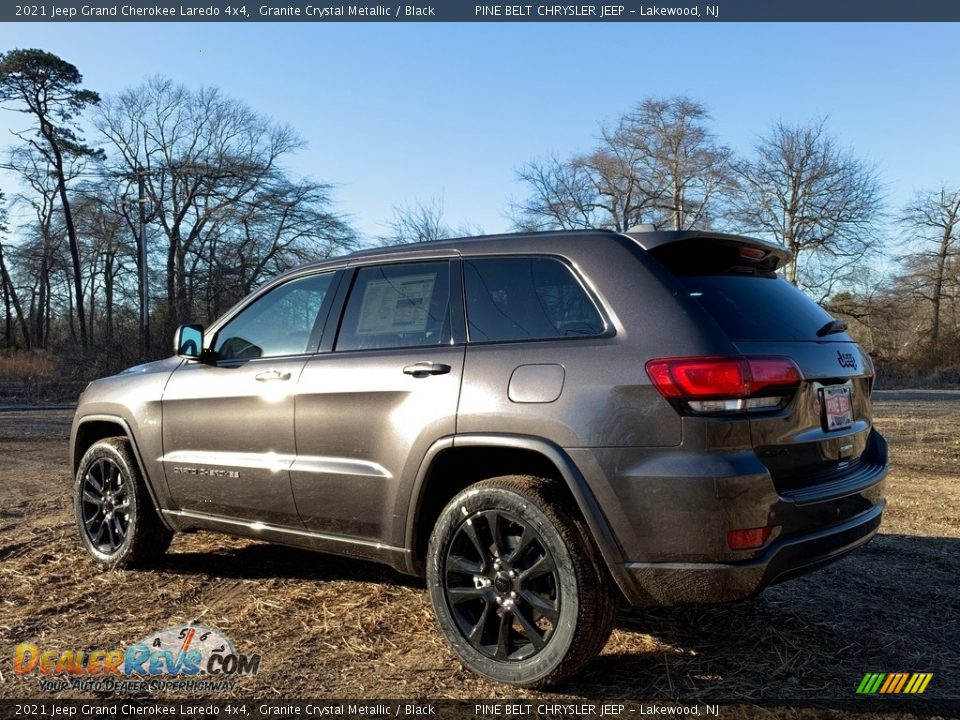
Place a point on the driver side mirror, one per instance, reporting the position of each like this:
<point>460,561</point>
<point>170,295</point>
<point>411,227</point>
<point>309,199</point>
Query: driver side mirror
<point>188,342</point>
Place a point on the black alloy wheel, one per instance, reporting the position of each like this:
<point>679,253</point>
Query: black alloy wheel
<point>501,584</point>
<point>118,523</point>
<point>105,505</point>
<point>518,586</point>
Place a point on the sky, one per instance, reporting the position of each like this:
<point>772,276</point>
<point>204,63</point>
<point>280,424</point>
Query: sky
<point>395,114</point>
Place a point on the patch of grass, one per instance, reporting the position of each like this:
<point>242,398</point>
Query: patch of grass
<point>28,366</point>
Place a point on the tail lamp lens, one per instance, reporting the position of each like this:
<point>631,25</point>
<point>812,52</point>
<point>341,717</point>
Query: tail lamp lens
<point>719,378</point>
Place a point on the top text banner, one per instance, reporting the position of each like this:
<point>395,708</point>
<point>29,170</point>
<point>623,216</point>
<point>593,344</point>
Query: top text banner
<point>463,11</point>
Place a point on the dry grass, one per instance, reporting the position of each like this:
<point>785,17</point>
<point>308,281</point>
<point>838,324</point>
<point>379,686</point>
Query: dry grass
<point>35,376</point>
<point>27,366</point>
<point>335,628</point>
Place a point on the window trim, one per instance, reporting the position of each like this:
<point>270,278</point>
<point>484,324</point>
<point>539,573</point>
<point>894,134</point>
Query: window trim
<point>608,328</point>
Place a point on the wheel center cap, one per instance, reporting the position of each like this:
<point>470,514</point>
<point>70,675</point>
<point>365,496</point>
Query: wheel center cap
<point>503,582</point>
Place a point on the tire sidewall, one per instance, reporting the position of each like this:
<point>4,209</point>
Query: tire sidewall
<point>543,663</point>
<point>110,451</point>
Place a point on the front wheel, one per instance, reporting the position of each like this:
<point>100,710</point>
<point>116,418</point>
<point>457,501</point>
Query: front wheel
<point>118,523</point>
<point>517,584</point>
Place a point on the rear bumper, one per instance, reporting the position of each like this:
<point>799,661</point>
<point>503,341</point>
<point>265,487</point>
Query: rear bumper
<point>696,583</point>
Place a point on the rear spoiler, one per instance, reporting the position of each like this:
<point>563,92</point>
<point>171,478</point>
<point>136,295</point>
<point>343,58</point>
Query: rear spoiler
<point>696,252</point>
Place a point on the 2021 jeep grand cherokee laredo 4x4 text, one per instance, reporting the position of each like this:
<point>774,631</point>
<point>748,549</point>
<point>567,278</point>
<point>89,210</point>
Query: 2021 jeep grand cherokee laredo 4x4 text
<point>541,424</point>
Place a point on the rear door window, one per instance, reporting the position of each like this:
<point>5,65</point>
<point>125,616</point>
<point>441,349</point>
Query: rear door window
<point>526,298</point>
<point>398,306</point>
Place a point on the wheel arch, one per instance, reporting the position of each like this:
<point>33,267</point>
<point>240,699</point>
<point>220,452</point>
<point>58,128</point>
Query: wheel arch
<point>93,428</point>
<point>476,457</point>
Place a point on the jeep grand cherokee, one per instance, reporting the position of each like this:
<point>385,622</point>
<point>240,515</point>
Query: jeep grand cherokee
<point>543,425</point>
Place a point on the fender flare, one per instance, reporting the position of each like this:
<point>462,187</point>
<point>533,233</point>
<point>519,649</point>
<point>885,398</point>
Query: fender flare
<point>125,426</point>
<point>586,501</point>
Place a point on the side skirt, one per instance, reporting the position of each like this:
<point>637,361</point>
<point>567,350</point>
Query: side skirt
<point>183,520</point>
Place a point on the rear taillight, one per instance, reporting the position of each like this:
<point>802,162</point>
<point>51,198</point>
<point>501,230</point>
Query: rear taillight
<point>723,384</point>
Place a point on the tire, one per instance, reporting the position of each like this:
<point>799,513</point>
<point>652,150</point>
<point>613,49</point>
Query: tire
<point>532,607</point>
<point>117,521</point>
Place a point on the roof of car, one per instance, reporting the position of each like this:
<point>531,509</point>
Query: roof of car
<point>541,241</point>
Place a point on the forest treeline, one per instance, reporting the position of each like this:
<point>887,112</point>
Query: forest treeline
<point>163,204</point>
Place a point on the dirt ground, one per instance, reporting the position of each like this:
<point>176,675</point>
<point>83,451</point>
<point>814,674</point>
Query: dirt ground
<point>331,628</point>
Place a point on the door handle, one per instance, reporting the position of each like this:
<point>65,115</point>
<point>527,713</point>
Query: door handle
<point>422,369</point>
<point>268,375</point>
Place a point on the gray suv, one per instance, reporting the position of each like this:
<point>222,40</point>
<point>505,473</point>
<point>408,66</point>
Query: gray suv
<point>542,425</point>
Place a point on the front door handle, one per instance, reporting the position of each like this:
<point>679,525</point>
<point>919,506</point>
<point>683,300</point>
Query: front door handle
<point>422,369</point>
<point>269,375</point>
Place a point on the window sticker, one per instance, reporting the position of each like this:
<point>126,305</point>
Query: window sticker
<point>396,305</point>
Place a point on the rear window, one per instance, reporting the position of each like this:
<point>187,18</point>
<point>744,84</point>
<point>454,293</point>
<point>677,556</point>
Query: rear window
<point>749,307</point>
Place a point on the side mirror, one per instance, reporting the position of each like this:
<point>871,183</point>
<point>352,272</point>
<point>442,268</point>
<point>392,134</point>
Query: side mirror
<point>188,342</point>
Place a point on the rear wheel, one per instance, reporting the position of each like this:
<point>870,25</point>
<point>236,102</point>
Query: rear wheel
<point>517,584</point>
<point>118,523</point>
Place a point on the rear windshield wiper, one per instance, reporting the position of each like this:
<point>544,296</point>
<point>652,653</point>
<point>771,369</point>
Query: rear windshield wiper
<point>834,326</point>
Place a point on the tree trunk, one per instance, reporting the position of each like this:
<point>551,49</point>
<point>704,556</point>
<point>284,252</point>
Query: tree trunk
<point>39,316</point>
<point>70,318</point>
<point>108,271</point>
<point>47,131</point>
<point>48,312</point>
<point>938,281</point>
<point>677,207</point>
<point>7,317</point>
<point>11,291</point>
<point>182,307</point>
<point>172,316</point>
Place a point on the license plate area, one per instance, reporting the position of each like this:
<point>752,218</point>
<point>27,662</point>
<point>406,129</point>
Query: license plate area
<point>837,408</point>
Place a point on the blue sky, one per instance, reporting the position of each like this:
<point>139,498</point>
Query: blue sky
<point>398,113</point>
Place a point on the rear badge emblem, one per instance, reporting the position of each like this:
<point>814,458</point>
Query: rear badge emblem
<point>847,360</point>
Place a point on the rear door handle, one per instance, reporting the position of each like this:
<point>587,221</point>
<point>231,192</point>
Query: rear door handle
<point>422,369</point>
<point>269,375</point>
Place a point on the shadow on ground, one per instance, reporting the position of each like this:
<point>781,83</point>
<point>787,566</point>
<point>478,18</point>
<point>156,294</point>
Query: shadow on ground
<point>261,561</point>
<point>893,606</point>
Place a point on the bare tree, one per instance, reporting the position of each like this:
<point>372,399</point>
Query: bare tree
<point>658,163</point>
<point>10,297</point>
<point>205,160</point>
<point>875,312</point>
<point>42,249</point>
<point>685,167</point>
<point>283,223</point>
<point>603,189</point>
<point>422,222</point>
<point>107,252</point>
<point>933,219</point>
<point>42,85</point>
<point>562,196</point>
<point>819,200</point>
